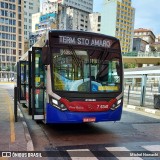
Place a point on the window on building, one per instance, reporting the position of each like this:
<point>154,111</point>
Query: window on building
<point>19,31</point>
<point>14,59</point>
<point>30,7</point>
<point>19,9</point>
<point>20,45</point>
<point>20,52</point>
<point>19,16</point>
<point>20,38</point>
<point>6,5</point>
<point>99,18</point>
<point>14,51</point>
<point>19,23</point>
<point>2,4</point>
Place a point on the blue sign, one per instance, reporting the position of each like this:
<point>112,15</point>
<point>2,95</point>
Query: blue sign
<point>47,16</point>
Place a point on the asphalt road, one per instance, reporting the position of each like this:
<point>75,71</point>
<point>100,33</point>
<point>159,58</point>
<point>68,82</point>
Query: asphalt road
<point>133,133</point>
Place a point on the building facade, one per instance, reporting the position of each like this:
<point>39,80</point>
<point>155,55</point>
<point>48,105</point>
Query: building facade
<point>94,22</point>
<point>84,5</point>
<point>11,35</point>
<point>118,20</point>
<point>70,14</point>
<point>61,14</point>
<point>30,7</point>
<point>145,34</point>
<point>139,45</point>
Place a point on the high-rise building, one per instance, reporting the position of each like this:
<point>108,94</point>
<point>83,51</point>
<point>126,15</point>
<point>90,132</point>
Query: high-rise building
<point>71,14</point>
<point>61,14</point>
<point>94,22</point>
<point>84,5</point>
<point>30,7</point>
<point>11,35</point>
<point>118,20</point>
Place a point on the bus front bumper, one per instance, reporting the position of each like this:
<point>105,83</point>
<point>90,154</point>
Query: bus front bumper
<point>54,115</point>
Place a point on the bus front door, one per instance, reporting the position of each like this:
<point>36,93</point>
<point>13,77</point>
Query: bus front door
<point>37,81</point>
<point>22,81</point>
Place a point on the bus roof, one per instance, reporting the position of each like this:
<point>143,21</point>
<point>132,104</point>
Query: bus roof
<point>86,33</point>
<point>82,38</point>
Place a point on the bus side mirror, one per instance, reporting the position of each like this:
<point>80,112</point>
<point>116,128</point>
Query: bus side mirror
<point>46,55</point>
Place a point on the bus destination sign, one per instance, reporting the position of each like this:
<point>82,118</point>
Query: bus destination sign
<point>97,42</point>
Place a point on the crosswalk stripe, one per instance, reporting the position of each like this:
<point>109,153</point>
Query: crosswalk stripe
<point>152,147</point>
<point>121,153</point>
<point>86,154</point>
<point>119,149</point>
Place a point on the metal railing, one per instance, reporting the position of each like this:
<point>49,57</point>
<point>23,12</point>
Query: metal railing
<point>142,54</point>
<point>148,54</point>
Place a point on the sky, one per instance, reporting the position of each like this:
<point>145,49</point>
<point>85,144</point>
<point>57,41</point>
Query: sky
<point>147,13</point>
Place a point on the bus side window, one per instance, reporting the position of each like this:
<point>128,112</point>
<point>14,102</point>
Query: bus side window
<point>118,69</point>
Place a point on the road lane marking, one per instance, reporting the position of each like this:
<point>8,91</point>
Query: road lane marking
<point>152,147</point>
<point>11,115</point>
<point>86,154</point>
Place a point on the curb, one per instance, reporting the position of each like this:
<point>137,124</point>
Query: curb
<point>6,82</point>
<point>30,146</point>
<point>143,109</point>
<point>28,138</point>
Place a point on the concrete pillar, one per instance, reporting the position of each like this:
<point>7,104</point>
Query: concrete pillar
<point>158,85</point>
<point>133,83</point>
<point>143,89</point>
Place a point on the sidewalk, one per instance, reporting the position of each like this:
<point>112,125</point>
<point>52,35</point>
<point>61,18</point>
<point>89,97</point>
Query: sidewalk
<point>14,136</point>
<point>147,110</point>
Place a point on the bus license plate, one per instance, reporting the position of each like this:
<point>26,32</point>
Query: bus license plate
<point>90,119</point>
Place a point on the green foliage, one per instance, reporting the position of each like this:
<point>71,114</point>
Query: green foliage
<point>131,54</point>
<point>129,65</point>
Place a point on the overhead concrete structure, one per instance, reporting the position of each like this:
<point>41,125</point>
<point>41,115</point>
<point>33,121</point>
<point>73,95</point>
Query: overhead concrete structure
<point>141,60</point>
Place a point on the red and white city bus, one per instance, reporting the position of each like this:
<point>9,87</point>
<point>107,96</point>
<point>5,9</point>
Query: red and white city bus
<point>72,77</point>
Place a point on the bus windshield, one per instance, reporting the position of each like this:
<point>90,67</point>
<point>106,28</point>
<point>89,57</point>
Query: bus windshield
<point>91,70</point>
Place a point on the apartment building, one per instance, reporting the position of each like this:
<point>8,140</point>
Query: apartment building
<point>61,14</point>
<point>67,14</point>
<point>139,45</point>
<point>84,5</point>
<point>11,35</point>
<point>94,22</point>
<point>145,34</point>
<point>75,19</point>
<point>30,7</point>
<point>118,20</point>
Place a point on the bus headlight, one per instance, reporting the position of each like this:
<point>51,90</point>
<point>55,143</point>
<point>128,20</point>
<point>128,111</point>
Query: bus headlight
<point>55,103</point>
<point>116,105</point>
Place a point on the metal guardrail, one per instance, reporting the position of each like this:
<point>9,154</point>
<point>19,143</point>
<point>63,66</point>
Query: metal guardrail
<point>142,54</point>
<point>148,54</point>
